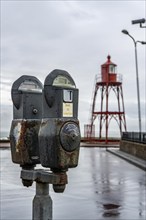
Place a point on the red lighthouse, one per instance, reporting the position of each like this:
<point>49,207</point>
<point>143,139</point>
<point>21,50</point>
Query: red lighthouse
<point>108,102</point>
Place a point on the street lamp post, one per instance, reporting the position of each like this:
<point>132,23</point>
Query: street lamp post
<point>137,77</point>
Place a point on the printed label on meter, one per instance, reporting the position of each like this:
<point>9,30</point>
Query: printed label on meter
<point>67,109</point>
<point>67,95</point>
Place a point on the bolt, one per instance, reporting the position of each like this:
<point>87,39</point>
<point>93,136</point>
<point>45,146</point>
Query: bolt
<point>35,111</point>
<point>73,136</point>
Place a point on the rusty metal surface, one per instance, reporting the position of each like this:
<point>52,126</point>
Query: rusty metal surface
<point>52,153</point>
<point>40,175</point>
<point>61,185</point>
<point>24,141</point>
<point>58,179</point>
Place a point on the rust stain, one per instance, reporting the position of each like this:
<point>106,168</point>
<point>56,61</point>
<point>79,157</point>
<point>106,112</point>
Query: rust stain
<point>25,131</point>
<point>22,143</point>
<point>62,178</point>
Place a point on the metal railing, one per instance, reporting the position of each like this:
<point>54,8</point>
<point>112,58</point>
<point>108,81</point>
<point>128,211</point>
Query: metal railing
<point>139,137</point>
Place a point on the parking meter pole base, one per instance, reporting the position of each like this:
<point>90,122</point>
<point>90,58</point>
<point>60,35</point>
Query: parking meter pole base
<point>42,202</point>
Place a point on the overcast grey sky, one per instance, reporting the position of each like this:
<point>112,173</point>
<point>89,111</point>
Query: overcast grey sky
<point>40,36</point>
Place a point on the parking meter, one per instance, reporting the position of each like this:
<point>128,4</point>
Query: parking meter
<point>59,135</point>
<point>26,95</point>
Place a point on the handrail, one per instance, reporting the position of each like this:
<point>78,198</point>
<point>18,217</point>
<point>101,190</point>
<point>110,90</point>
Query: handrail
<point>139,137</point>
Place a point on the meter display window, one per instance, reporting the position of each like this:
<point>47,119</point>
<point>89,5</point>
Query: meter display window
<point>29,85</point>
<point>67,95</point>
<point>63,81</point>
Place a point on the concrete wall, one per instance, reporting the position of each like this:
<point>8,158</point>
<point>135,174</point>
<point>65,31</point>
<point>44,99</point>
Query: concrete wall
<point>133,148</point>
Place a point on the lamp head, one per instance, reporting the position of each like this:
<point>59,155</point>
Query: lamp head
<point>138,21</point>
<point>125,32</point>
<point>143,42</point>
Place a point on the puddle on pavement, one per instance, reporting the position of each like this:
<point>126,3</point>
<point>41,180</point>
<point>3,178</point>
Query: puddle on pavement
<point>111,210</point>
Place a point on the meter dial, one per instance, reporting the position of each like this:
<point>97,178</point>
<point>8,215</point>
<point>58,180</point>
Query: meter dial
<point>70,136</point>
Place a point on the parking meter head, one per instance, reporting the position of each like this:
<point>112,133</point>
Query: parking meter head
<point>59,135</point>
<point>60,96</point>
<point>26,95</point>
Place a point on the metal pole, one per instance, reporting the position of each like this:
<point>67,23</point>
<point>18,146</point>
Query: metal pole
<point>101,108</point>
<point>42,202</point>
<point>106,125</point>
<point>138,91</point>
<point>137,78</point>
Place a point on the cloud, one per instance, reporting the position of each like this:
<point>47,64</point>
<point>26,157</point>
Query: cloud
<point>77,36</point>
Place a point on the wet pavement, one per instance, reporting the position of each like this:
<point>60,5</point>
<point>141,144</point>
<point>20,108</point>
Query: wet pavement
<point>103,186</point>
